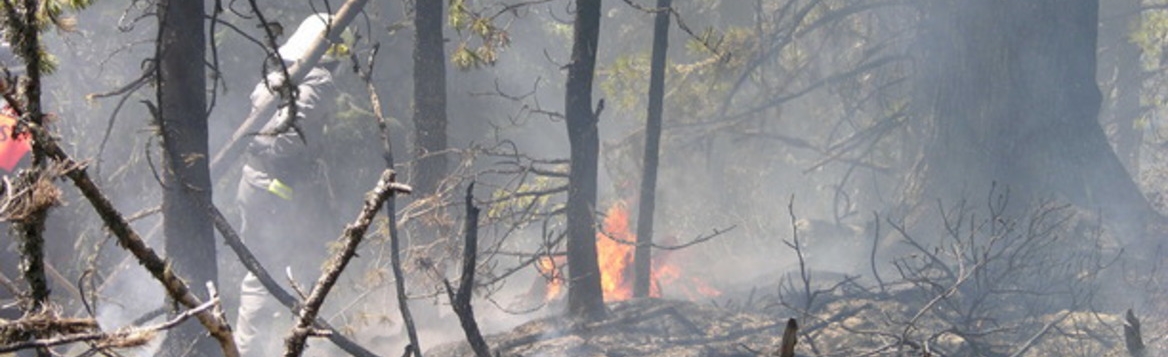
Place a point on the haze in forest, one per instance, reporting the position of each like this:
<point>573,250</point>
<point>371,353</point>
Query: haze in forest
<point>806,144</point>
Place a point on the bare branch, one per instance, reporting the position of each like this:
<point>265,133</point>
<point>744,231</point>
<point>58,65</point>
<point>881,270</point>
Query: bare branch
<point>278,292</point>
<point>352,237</point>
<point>129,239</point>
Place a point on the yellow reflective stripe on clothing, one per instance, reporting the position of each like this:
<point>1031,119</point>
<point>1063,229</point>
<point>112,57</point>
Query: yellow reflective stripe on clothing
<point>280,189</point>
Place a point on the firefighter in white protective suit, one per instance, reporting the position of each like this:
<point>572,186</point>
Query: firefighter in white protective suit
<point>279,192</point>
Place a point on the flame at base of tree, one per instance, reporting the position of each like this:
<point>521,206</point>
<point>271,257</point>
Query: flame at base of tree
<point>614,249</point>
<point>549,268</point>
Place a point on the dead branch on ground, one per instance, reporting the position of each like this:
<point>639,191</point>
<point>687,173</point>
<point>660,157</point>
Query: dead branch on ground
<point>124,338</point>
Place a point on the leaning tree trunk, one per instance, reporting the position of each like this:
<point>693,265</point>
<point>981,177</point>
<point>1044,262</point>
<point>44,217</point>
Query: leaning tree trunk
<point>182,86</point>
<point>1010,87</point>
<point>642,266</point>
<point>1126,75</point>
<point>585,297</point>
<point>429,98</point>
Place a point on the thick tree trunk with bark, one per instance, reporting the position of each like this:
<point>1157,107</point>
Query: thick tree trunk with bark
<point>190,237</point>
<point>429,97</point>
<point>642,266</point>
<point>1010,87</point>
<point>1126,75</point>
<point>585,297</point>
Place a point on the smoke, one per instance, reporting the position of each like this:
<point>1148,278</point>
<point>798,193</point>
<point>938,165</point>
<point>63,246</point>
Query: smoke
<point>126,299</point>
<point>766,118</point>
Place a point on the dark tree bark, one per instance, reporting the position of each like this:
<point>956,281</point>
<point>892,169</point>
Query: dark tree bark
<point>182,117</point>
<point>460,299</point>
<point>30,228</point>
<point>585,297</point>
<point>429,97</point>
<point>1010,87</point>
<point>1132,337</point>
<point>642,266</point>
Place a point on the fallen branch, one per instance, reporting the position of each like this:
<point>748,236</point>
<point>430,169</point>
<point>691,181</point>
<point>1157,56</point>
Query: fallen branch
<point>129,337</point>
<point>352,237</point>
<point>44,323</point>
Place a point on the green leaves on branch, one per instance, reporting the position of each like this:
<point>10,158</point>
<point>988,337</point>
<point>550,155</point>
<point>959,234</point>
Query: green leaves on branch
<point>480,38</point>
<point>50,13</point>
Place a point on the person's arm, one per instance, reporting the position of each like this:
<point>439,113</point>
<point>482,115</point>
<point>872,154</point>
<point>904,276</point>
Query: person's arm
<point>281,142</point>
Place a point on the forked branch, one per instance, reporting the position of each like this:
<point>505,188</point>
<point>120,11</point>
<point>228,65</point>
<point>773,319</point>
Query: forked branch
<point>352,237</point>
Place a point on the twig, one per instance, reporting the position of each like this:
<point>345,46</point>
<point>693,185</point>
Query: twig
<point>352,237</point>
<point>700,239</point>
<point>8,285</point>
<point>126,92</point>
<point>1041,332</point>
<point>390,211</point>
<point>804,275</point>
<point>875,244</point>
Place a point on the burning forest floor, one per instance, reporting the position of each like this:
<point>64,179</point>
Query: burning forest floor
<point>1036,283</point>
<point>842,323</point>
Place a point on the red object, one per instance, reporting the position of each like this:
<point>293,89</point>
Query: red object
<point>11,149</point>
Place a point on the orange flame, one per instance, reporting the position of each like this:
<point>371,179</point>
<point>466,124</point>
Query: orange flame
<point>614,250</point>
<point>614,253</point>
<point>549,268</point>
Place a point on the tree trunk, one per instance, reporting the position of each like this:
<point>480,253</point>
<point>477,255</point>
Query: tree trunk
<point>1126,75</point>
<point>642,266</point>
<point>585,297</point>
<point>30,229</point>
<point>1010,87</point>
<point>190,237</point>
<point>429,97</point>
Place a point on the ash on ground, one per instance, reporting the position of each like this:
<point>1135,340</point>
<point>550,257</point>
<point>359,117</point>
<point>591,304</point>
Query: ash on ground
<point>640,327</point>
